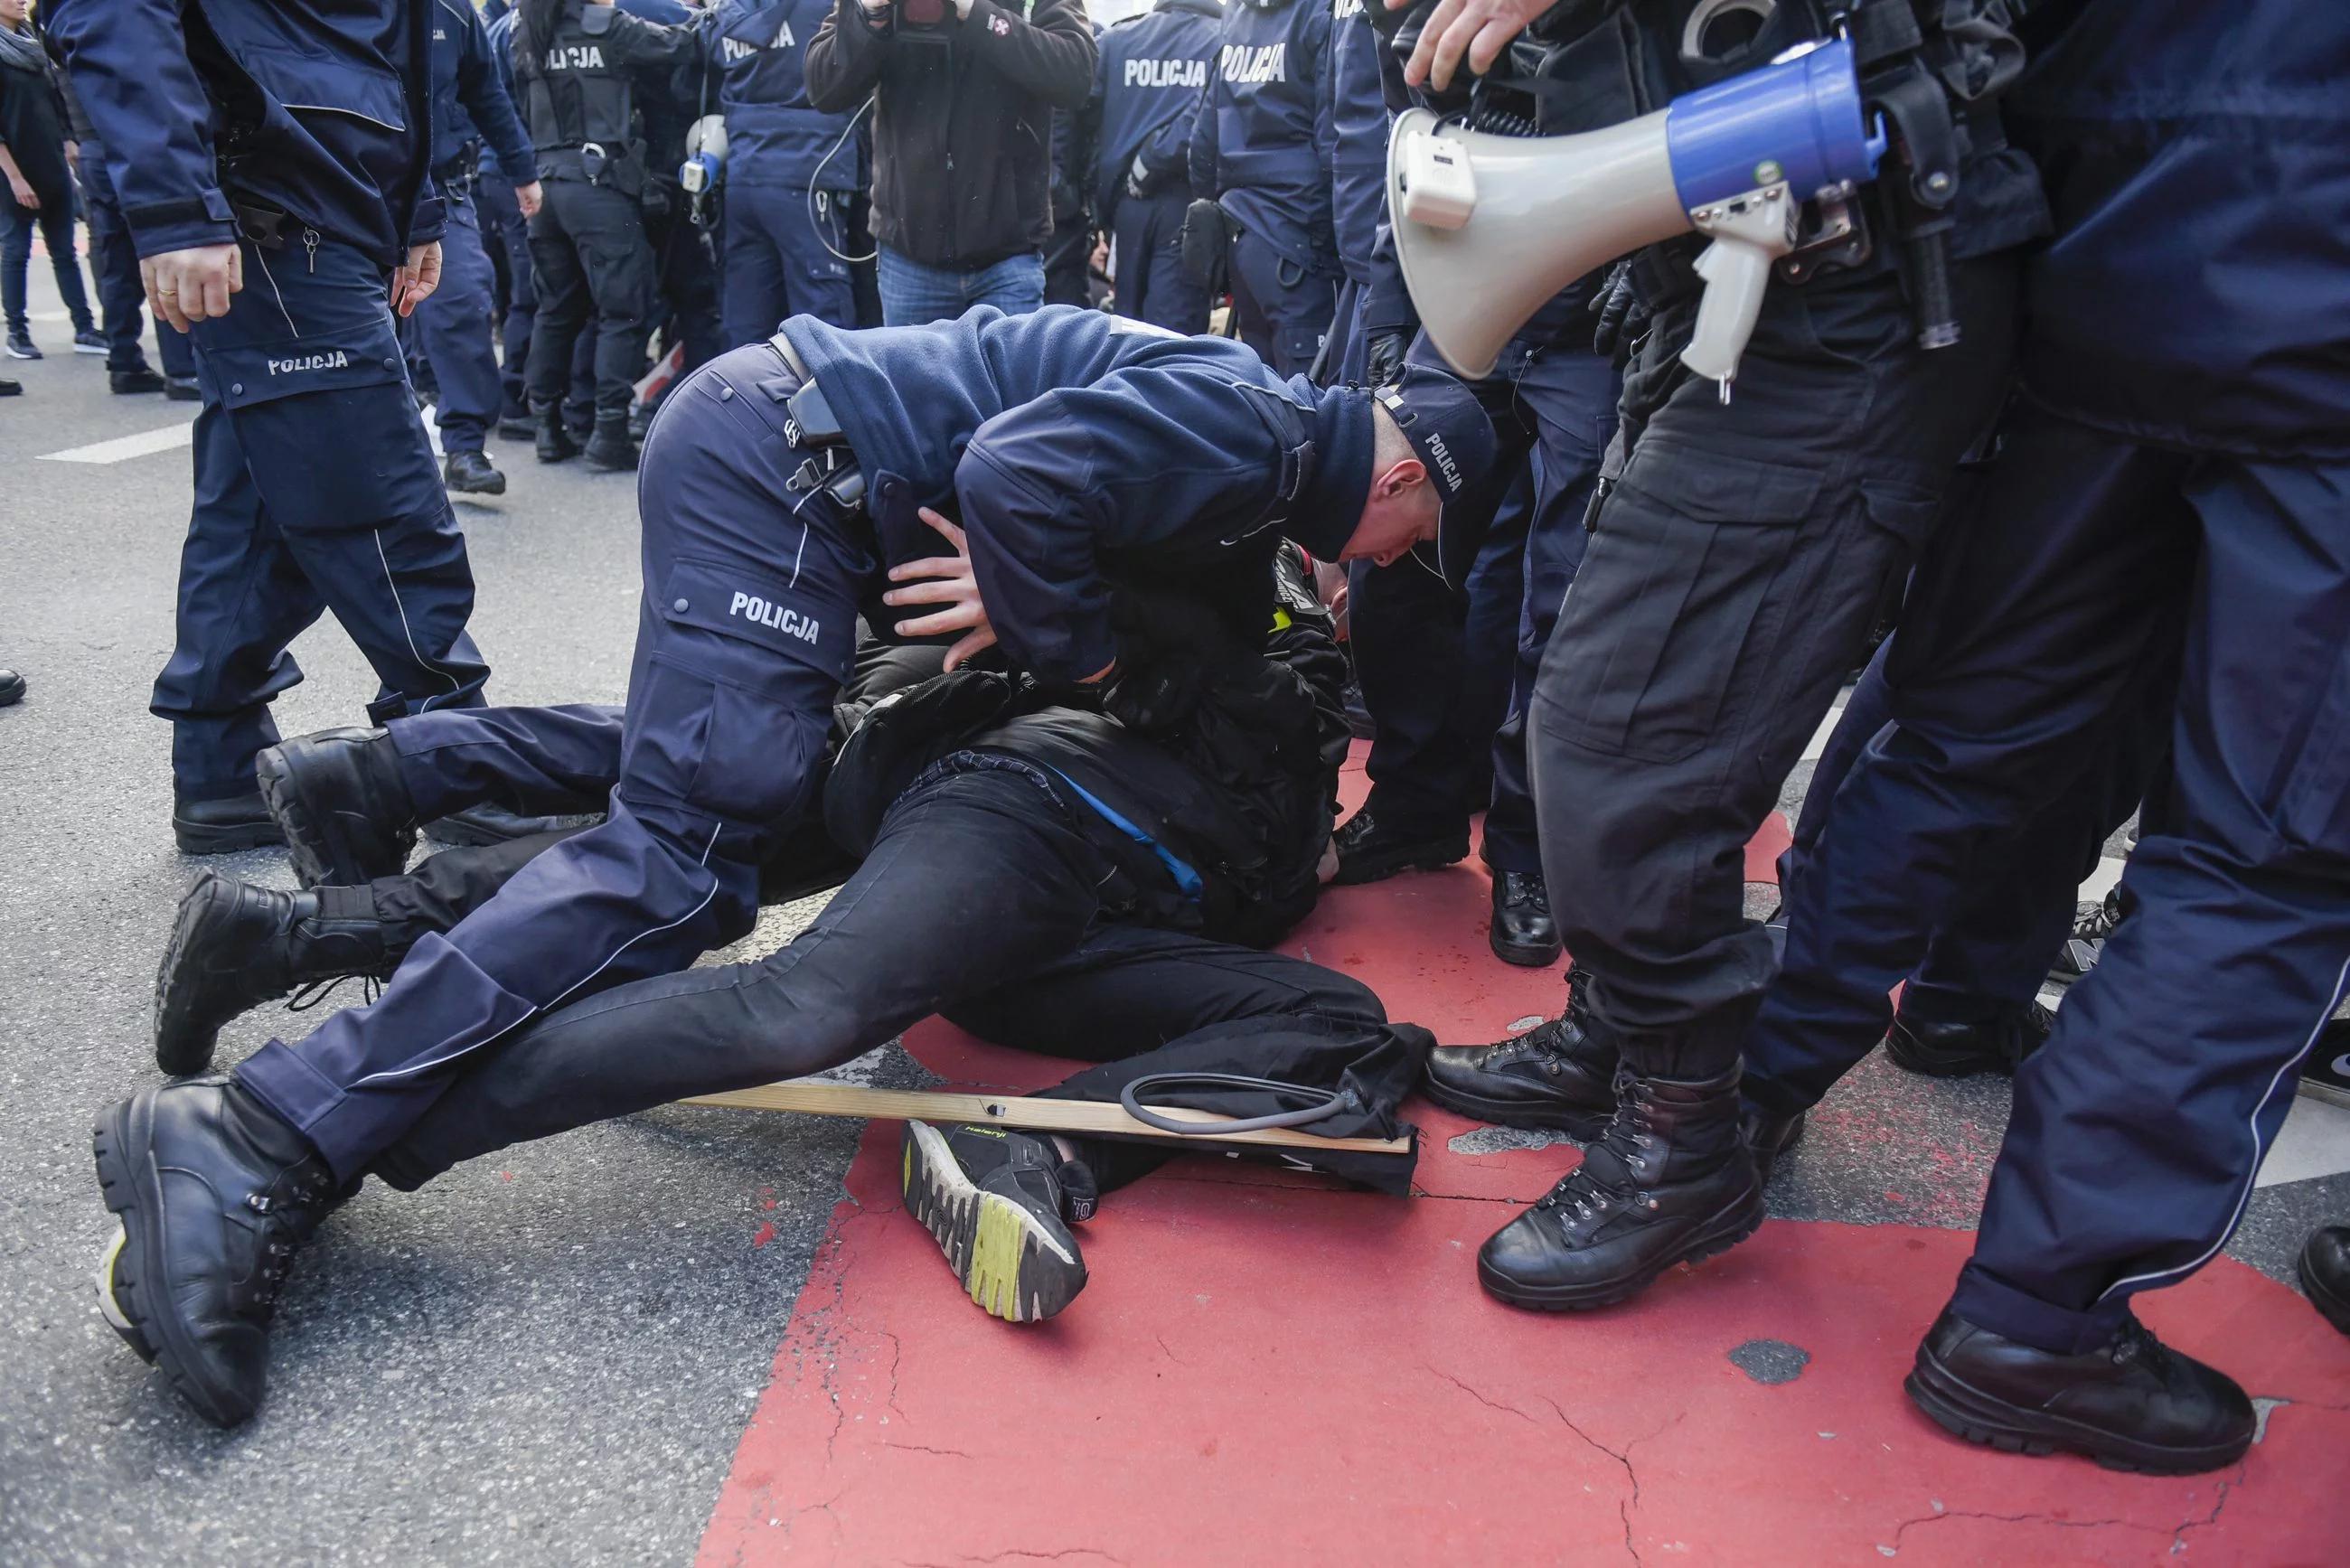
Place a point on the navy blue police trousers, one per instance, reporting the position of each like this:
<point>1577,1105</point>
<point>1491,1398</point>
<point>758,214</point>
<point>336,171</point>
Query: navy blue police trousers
<point>2036,627</point>
<point>456,326</point>
<point>785,252</point>
<point>745,631</point>
<point>315,490</point>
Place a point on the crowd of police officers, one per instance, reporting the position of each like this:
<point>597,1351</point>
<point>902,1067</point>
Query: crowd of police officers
<point>2078,376</point>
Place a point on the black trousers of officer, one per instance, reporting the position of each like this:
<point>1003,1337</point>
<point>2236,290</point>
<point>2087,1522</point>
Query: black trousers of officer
<point>593,263</point>
<point>1723,600</point>
<point>981,900</point>
<point>2029,638</point>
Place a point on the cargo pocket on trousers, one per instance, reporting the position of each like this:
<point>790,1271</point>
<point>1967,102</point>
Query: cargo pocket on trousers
<point>747,758</point>
<point>1678,594</point>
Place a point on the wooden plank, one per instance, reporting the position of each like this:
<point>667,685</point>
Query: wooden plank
<point>826,1099</point>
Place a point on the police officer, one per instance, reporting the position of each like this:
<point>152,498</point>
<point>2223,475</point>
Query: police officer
<point>1739,555</point>
<point>1259,148</point>
<point>1152,70</point>
<point>790,169</point>
<point>323,213</point>
<point>685,272</point>
<point>470,107</point>
<point>1069,252</point>
<point>2170,487</point>
<point>1071,444</point>
<point>577,63</point>
<point>505,234</point>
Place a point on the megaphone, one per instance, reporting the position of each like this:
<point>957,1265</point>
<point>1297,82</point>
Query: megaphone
<point>1490,227</point>
<point>705,155</point>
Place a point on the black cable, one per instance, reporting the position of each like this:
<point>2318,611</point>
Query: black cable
<point>1326,1101</point>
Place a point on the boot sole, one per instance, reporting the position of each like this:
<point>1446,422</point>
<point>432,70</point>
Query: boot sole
<point>200,838</point>
<point>134,1195</point>
<point>321,857</point>
<point>1724,1232</point>
<point>1010,1265</point>
<point>1581,1126</point>
<point>1527,955</point>
<point>2331,1307</point>
<point>497,489</point>
<point>1977,1418</point>
<point>1395,862</point>
<point>178,987</point>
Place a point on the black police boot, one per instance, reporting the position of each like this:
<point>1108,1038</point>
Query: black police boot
<point>1555,1075</point>
<point>344,810</point>
<point>517,426</point>
<point>640,419</point>
<point>1523,932</point>
<point>12,688</point>
<point>1996,1044</point>
<point>218,826</point>
<point>140,378</point>
<point>235,946</point>
<point>471,474</point>
<point>183,390</point>
<point>1671,1181</point>
<point>554,442</point>
<point>215,1196</point>
<point>996,1200</point>
<point>1370,853</point>
<point>2326,1273</point>
<point>1769,1137</point>
<point>610,449</point>
<point>2133,1404</point>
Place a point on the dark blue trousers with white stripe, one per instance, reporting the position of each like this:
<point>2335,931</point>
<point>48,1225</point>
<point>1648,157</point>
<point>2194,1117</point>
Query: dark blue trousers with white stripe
<point>746,628</point>
<point>2032,623</point>
<point>315,489</point>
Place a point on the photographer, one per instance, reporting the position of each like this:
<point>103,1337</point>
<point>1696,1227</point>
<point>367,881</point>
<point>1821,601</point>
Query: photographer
<point>962,98</point>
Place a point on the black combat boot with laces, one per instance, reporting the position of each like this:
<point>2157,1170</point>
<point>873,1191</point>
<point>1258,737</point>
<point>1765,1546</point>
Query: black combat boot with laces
<point>215,1196</point>
<point>1554,1076</point>
<point>235,946</point>
<point>1670,1181</point>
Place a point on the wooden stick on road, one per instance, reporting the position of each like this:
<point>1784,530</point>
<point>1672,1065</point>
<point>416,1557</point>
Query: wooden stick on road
<point>828,1099</point>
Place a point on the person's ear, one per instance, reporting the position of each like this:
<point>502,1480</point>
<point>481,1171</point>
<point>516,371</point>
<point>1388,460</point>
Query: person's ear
<point>1400,477</point>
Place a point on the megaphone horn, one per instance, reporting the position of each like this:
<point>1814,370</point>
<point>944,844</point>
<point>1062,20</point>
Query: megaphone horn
<point>1489,227</point>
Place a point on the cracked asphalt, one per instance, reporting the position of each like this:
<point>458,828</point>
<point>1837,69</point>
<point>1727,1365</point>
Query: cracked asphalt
<point>550,1355</point>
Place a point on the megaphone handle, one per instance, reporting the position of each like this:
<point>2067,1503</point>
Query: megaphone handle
<point>1735,272</point>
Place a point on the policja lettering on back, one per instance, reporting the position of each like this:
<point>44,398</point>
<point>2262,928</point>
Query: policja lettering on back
<point>1149,81</point>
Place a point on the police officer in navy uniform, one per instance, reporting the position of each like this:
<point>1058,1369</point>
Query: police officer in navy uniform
<point>470,108</point>
<point>1152,71</point>
<point>1739,551</point>
<point>790,169</point>
<point>505,234</point>
<point>1074,445</point>
<point>1260,148</point>
<point>2168,495</point>
<point>319,215</point>
<point>578,64</point>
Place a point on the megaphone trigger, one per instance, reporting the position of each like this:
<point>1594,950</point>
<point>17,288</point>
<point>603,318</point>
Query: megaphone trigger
<point>1749,233</point>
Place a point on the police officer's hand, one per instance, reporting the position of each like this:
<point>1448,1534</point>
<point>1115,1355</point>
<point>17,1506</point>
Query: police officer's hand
<point>528,198</point>
<point>1383,357</point>
<point>412,285</point>
<point>946,580</point>
<point>192,284</point>
<point>1481,29</point>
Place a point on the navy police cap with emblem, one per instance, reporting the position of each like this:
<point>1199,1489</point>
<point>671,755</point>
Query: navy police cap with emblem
<point>1449,431</point>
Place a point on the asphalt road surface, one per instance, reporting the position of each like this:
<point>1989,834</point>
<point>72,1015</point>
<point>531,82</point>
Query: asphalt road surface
<point>550,1355</point>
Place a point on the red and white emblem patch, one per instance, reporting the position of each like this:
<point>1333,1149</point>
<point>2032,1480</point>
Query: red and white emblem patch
<point>999,26</point>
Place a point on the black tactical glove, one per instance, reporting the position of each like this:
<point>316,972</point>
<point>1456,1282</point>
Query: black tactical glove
<point>1383,355</point>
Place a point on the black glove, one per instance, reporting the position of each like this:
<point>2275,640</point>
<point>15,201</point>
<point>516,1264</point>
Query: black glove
<point>1383,355</point>
<point>1207,235</point>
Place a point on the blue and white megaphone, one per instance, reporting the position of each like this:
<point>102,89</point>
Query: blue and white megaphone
<point>1490,227</point>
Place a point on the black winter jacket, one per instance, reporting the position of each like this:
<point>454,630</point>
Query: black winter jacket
<point>962,127</point>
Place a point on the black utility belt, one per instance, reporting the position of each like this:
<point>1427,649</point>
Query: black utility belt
<point>271,227</point>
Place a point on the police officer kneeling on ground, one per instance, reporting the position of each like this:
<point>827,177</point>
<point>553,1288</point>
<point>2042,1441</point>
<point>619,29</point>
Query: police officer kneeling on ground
<point>576,62</point>
<point>1076,446</point>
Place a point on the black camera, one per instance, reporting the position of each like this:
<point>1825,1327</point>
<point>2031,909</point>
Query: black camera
<point>922,21</point>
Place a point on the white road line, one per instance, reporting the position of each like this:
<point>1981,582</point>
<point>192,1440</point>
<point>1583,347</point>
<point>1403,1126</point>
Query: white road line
<point>1820,736</point>
<point>2315,1141</point>
<point>2101,881</point>
<point>122,449</point>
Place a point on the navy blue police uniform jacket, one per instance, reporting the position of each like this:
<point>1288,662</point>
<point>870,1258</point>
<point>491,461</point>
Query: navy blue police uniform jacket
<point>1076,446</point>
<point>471,97</point>
<point>320,108</point>
<point>772,135</point>
<point>1152,69</point>
<point>1260,144</point>
<point>2208,306</point>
